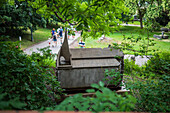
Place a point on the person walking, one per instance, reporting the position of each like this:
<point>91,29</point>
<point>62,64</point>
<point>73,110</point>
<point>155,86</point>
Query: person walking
<point>61,34</point>
<point>53,31</point>
<point>82,44</point>
<point>55,39</point>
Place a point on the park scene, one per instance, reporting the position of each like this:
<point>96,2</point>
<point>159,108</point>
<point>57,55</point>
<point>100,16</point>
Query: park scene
<point>84,56</point>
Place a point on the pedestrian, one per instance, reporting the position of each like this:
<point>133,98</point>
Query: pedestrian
<point>53,31</point>
<point>55,39</point>
<point>109,46</point>
<point>81,44</point>
<point>61,34</point>
<point>68,33</point>
<point>49,41</point>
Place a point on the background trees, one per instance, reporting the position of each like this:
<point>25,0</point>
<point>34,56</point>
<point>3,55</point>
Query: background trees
<point>137,6</point>
<point>17,16</point>
<point>150,11</point>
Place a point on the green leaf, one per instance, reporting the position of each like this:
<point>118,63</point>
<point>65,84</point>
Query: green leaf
<point>101,83</point>
<point>2,96</point>
<point>90,90</point>
<point>4,105</point>
<point>17,104</point>
<point>95,86</point>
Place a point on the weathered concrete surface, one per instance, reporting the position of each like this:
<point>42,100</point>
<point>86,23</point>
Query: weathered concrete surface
<point>81,67</point>
<point>87,53</point>
<point>88,66</point>
<point>80,78</point>
<point>94,63</point>
<point>64,51</point>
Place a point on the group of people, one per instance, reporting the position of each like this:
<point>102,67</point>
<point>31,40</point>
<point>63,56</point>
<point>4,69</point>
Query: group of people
<point>57,35</point>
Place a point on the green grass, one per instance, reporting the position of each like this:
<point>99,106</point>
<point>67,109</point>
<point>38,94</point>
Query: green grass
<point>162,45</point>
<point>43,34</point>
<point>39,35</point>
<point>134,22</point>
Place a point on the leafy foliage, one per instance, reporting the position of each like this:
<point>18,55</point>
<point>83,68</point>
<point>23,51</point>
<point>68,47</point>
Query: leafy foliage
<point>17,16</point>
<point>128,44</point>
<point>150,9</point>
<point>93,15</point>
<point>150,83</point>
<point>112,77</point>
<point>105,100</point>
<point>159,63</point>
<point>22,77</point>
<point>10,104</point>
<point>44,57</point>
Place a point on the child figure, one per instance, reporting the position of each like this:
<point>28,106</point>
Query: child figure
<point>49,41</point>
<point>81,44</point>
<point>55,38</point>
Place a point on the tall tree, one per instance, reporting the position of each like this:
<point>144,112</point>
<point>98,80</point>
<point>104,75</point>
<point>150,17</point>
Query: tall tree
<point>17,15</point>
<point>158,14</point>
<point>137,6</point>
<point>148,9</point>
<point>96,15</point>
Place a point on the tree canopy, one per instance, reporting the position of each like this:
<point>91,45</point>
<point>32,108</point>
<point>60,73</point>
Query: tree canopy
<point>88,15</point>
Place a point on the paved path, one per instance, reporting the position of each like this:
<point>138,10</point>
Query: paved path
<point>31,49</point>
<point>131,25</point>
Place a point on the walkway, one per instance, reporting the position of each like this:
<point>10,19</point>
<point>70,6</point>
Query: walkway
<point>131,25</point>
<point>56,49</point>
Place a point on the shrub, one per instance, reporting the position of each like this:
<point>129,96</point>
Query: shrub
<point>22,77</point>
<point>44,57</point>
<point>104,100</point>
<point>150,83</point>
<point>10,104</point>
<point>112,77</point>
<point>159,63</point>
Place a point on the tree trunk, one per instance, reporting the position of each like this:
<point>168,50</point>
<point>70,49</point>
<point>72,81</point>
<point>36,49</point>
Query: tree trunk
<point>141,23</point>
<point>141,17</point>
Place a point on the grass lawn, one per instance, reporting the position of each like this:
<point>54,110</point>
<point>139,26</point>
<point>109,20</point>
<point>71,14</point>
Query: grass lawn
<point>134,22</point>
<point>162,45</point>
<point>39,35</point>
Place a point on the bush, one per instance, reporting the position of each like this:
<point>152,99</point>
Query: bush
<point>112,77</point>
<point>105,100</point>
<point>22,77</point>
<point>150,83</point>
<point>44,57</point>
<point>10,104</point>
<point>159,63</point>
